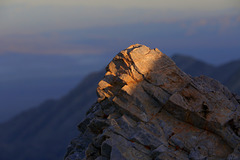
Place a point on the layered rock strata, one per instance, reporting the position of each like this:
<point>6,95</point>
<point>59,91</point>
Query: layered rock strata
<point>149,109</point>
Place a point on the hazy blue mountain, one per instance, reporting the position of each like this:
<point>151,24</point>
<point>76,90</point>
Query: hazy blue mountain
<point>226,71</point>
<point>233,82</point>
<point>28,79</point>
<point>44,132</point>
<point>193,66</point>
<point>228,74</point>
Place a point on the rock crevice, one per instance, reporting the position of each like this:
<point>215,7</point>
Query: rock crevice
<point>149,109</point>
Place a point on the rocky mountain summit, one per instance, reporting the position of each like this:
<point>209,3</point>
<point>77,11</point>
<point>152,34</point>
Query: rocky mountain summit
<point>148,108</point>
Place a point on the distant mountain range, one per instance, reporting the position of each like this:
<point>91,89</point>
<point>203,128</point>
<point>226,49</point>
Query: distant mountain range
<point>43,132</point>
<point>228,74</point>
<point>30,79</point>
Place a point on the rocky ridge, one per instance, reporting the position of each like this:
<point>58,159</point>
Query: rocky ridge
<point>149,109</point>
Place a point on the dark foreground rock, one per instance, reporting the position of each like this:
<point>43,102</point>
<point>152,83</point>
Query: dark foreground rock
<point>149,109</point>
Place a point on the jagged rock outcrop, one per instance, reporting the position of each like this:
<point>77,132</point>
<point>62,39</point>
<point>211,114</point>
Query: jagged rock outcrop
<point>149,109</point>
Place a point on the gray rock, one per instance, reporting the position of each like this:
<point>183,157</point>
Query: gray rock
<point>106,149</point>
<point>149,109</point>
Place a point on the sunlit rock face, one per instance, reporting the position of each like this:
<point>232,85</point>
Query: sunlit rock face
<point>149,109</point>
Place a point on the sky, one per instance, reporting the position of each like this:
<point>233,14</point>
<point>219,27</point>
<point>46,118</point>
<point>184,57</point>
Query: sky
<point>206,29</point>
<point>48,46</point>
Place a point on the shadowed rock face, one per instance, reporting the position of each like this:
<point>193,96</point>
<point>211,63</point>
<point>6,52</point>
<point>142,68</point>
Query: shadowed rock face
<point>149,109</point>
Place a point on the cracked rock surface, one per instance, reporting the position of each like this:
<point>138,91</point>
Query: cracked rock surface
<point>149,109</point>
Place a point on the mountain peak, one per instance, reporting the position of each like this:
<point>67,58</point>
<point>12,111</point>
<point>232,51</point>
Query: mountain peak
<point>149,109</point>
<point>139,68</point>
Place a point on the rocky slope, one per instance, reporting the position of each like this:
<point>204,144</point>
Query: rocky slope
<point>148,108</point>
